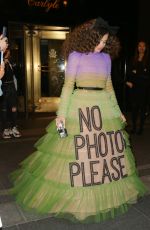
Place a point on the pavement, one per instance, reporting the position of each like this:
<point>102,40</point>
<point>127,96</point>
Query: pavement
<point>15,150</point>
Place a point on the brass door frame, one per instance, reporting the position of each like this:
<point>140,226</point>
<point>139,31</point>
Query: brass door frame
<point>32,36</point>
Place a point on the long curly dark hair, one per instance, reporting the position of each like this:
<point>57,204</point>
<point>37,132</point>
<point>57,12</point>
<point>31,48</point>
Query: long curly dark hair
<point>85,37</point>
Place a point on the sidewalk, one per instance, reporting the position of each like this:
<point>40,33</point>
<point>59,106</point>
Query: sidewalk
<point>14,218</point>
<point>35,124</point>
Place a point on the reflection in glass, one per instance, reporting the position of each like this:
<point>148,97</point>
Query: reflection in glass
<point>52,67</point>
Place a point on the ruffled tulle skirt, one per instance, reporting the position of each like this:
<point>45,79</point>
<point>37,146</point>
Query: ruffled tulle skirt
<point>88,176</point>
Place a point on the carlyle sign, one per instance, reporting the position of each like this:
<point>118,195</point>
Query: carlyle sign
<point>46,4</point>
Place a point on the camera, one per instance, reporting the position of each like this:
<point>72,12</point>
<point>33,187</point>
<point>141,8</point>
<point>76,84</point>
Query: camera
<point>62,130</point>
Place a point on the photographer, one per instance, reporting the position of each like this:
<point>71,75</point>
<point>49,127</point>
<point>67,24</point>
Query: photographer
<point>9,100</point>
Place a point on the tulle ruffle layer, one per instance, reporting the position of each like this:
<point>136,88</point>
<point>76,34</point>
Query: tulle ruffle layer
<point>42,183</point>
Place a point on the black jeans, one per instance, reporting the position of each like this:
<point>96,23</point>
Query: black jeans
<point>138,111</point>
<point>9,106</point>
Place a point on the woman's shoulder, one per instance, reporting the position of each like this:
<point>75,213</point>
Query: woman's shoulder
<point>74,54</point>
<point>106,58</point>
<point>105,55</point>
<point>74,57</point>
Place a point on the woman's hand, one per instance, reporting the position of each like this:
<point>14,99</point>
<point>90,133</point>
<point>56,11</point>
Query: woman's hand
<point>60,119</point>
<point>129,84</point>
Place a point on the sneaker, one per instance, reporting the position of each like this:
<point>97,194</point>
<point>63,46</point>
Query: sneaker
<point>6,134</point>
<point>10,131</point>
<point>15,132</point>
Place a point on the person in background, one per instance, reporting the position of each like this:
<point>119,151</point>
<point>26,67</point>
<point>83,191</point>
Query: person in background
<point>3,47</point>
<point>139,83</point>
<point>9,100</point>
<point>88,175</point>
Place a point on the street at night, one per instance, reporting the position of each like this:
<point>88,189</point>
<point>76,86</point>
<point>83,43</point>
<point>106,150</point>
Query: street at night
<point>15,150</point>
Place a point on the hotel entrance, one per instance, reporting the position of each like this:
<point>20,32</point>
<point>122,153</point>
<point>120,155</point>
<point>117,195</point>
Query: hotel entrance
<point>43,66</point>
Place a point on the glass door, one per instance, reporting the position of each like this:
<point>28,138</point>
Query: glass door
<point>52,67</point>
<point>45,67</point>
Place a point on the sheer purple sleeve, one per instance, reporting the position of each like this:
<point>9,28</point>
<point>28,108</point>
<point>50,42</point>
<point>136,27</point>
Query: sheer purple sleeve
<point>109,86</point>
<point>68,87</point>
